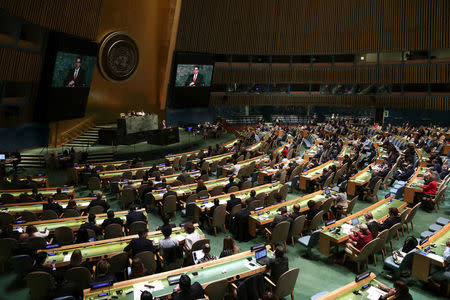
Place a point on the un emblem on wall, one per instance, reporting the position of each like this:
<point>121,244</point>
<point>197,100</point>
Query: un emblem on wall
<point>118,56</point>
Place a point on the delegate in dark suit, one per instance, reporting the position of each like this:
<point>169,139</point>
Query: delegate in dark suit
<point>279,219</point>
<point>134,216</point>
<point>79,80</point>
<point>107,222</point>
<point>389,222</point>
<point>53,206</point>
<point>196,293</point>
<point>139,245</point>
<point>199,81</point>
<point>98,202</point>
<point>91,226</point>
<point>232,202</point>
<point>278,266</point>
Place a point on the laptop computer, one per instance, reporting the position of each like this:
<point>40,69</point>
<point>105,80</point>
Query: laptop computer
<point>355,221</point>
<point>261,256</point>
<point>175,279</point>
<point>2,156</point>
<point>197,256</point>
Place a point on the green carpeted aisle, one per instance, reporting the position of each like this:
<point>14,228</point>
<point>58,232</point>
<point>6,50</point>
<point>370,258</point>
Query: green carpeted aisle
<point>316,274</point>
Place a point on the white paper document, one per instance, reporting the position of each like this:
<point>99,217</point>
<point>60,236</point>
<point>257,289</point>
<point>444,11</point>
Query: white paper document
<point>374,293</point>
<point>140,287</point>
<point>180,237</point>
<point>436,257</point>
<point>346,228</point>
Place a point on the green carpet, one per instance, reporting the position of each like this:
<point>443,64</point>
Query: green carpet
<point>316,274</point>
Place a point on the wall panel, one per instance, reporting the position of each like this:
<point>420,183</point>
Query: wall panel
<point>313,26</point>
<point>437,73</point>
<point>80,18</point>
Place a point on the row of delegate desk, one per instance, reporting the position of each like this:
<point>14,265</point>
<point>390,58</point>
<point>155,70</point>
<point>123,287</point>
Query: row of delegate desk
<point>430,253</point>
<point>136,183</point>
<point>69,190</point>
<point>338,232</point>
<point>230,268</point>
<point>94,251</point>
<point>171,157</point>
<point>40,180</point>
<point>36,207</point>
<point>204,204</point>
<point>73,223</point>
<point>265,216</point>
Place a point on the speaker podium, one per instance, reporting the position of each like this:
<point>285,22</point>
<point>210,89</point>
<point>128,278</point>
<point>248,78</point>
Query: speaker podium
<point>163,137</point>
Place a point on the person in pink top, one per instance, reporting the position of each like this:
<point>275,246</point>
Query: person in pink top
<point>429,191</point>
<point>358,239</point>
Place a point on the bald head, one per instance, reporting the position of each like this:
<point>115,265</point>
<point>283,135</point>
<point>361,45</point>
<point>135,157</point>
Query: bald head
<point>24,237</point>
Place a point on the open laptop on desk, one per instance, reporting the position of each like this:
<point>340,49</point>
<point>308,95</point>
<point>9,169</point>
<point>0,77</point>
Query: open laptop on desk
<point>261,256</point>
<point>197,256</point>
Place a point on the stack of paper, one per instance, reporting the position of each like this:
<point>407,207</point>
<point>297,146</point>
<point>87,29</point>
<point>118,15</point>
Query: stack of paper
<point>374,293</point>
<point>346,228</point>
<point>141,287</point>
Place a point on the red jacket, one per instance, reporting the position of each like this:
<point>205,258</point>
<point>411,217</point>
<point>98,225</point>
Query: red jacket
<point>430,188</point>
<point>285,152</point>
<point>361,239</point>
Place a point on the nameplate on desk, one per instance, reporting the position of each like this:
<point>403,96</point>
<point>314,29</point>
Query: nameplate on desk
<point>362,276</point>
<point>101,284</point>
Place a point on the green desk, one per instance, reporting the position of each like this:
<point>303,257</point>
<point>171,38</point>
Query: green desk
<point>106,248</point>
<point>347,150</point>
<point>73,223</point>
<point>186,190</point>
<point>424,157</point>
<point>171,157</point>
<point>211,159</point>
<point>255,146</point>
<point>423,259</point>
<point>36,207</point>
<point>265,174</point>
<point>205,204</point>
<point>379,210</point>
<point>110,174</point>
<point>361,178</point>
<point>362,286</point>
<point>44,191</point>
<point>228,169</point>
<point>312,151</point>
<point>136,183</point>
<point>382,155</point>
<point>42,181</point>
<point>314,173</point>
<point>102,164</point>
<point>415,184</point>
<point>231,268</point>
<point>267,215</point>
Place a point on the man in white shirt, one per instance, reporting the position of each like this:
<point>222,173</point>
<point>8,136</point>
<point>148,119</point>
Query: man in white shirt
<point>236,169</point>
<point>168,241</point>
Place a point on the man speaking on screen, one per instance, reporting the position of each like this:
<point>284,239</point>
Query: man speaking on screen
<point>195,79</point>
<point>76,77</point>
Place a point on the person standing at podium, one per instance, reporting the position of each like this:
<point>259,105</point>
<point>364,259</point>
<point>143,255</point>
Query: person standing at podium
<point>162,125</point>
